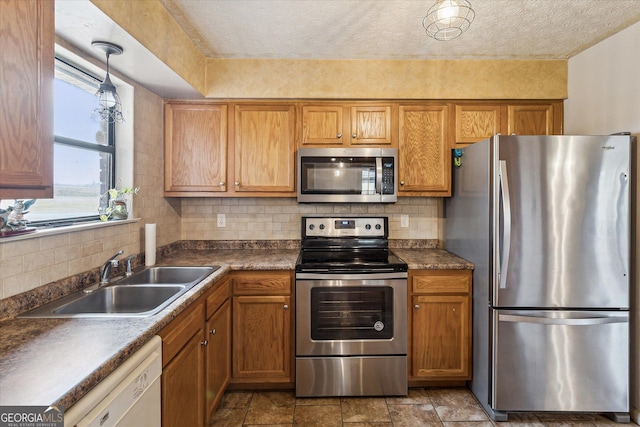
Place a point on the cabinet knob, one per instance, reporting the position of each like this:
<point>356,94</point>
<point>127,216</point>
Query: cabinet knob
<point>401,182</point>
<point>354,135</point>
<point>339,136</point>
<point>221,184</point>
<point>417,306</point>
<point>212,332</point>
<point>286,307</point>
<point>237,183</point>
<point>203,343</point>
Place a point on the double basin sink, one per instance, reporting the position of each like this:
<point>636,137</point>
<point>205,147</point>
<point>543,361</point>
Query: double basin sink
<point>142,294</point>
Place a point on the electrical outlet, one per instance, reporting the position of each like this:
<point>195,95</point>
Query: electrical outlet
<point>222,220</point>
<point>404,221</point>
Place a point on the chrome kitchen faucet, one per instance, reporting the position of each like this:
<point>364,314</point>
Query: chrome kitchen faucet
<point>106,268</point>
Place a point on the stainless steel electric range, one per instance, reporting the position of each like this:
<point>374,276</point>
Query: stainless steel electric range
<point>351,310</point>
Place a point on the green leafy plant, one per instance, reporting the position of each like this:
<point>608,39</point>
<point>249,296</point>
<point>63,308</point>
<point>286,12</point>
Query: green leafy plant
<point>117,195</point>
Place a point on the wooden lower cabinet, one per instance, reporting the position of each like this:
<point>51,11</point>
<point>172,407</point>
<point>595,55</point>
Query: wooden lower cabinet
<point>262,328</point>
<point>183,388</point>
<point>218,355</point>
<point>196,362</point>
<point>440,331</point>
<point>218,349</point>
<point>183,367</point>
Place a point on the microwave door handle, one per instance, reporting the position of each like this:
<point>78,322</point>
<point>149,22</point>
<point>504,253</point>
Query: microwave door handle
<point>379,176</point>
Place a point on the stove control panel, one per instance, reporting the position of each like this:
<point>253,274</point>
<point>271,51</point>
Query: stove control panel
<point>344,227</point>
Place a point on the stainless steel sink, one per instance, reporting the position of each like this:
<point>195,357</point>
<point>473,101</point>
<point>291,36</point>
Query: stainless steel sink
<point>122,299</point>
<point>167,275</point>
<point>143,294</point>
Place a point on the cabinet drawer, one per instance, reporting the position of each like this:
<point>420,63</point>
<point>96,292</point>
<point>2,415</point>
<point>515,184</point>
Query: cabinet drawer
<point>442,282</point>
<point>262,283</point>
<point>218,297</point>
<point>178,333</point>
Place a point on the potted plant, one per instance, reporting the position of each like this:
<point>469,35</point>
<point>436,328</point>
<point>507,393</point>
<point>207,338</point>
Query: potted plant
<point>117,208</point>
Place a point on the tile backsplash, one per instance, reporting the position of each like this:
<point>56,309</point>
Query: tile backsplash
<point>279,218</point>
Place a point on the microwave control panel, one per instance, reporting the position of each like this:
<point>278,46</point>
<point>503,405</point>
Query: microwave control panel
<point>388,169</point>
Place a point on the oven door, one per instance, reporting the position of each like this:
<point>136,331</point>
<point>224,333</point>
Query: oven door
<point>344,316</point>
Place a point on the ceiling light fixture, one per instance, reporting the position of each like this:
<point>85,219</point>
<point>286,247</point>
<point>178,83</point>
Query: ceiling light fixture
<point>109,108</point>
<point>447,19</point>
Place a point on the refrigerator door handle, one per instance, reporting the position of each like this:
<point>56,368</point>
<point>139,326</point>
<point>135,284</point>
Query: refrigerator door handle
<point>503,259</point>
<point>596,320</point>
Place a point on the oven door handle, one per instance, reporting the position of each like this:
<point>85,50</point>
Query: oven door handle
<point>353,276</point>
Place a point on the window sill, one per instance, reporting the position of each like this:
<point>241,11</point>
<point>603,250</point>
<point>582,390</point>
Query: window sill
<point>52,231</point>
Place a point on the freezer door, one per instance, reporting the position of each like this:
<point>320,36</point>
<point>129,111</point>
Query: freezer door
<point>560,361</point>
<point>562,222</point>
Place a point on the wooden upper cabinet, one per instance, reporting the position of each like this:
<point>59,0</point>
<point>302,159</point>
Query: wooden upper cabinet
<point>195,148</point>
<point>424,150</point>
<point>479,120</point>
<point>264,144</point>
<point>322,125</point>
<point>531,120</point>
<point>26,104</point>
<point>349,124</point>
<point>476,122</point>
<point>371,125</point>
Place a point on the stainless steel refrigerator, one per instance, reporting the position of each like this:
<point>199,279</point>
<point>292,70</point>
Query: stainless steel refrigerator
<point>547,223</point>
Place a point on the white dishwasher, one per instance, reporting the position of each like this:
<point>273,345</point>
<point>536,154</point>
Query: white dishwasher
<point>128,397</point>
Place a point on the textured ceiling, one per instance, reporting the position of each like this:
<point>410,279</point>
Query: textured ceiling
<point>392,29</point>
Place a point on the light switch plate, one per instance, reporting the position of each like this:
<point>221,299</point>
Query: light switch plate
<point>404,221</point>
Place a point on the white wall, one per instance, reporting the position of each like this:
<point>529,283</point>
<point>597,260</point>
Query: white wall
<point>604,97</point>
<point>604,87</point>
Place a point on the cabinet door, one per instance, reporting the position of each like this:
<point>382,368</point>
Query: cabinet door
<point>264,145</point>
<point>476,122</point>
<point>424,150</point>
<point>26,104</point>
<point>218,333</point>
<point>262,339</point>
<point>195,148</point>
<point>371,125</point>
<point>530,119</point>
<point>183,386</point>
<point>441,345</point>
<point>322,125</point>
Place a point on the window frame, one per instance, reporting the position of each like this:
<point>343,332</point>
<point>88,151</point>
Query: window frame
<point>110,147</point>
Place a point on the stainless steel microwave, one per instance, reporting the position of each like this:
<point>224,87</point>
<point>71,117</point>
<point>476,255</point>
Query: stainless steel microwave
<point>347,175</point>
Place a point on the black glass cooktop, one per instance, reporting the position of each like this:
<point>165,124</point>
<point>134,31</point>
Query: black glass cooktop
<point>349,260</point>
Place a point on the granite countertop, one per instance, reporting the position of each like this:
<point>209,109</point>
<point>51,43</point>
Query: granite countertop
<point>57,361</point>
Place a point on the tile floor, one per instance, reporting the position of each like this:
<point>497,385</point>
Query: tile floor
<point>433,407</point>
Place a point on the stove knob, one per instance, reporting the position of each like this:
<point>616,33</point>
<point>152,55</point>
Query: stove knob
<point>311,226</point>
<point>321,226</point>
<point>368,226</point>
<point>378,226</point>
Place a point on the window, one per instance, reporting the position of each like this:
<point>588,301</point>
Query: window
<point>84,153</point>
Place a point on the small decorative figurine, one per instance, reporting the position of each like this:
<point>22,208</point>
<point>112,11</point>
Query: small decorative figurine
<point>12,218</point>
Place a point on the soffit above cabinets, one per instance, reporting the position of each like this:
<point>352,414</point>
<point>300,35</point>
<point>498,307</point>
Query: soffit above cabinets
<point>80,22</point>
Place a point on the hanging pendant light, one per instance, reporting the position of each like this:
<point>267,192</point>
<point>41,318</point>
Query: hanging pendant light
<point>109,108</point>
<point>447,19</point>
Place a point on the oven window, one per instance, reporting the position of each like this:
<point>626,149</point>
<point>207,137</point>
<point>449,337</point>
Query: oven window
<point>351,312</point>
<point>338,175</point>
